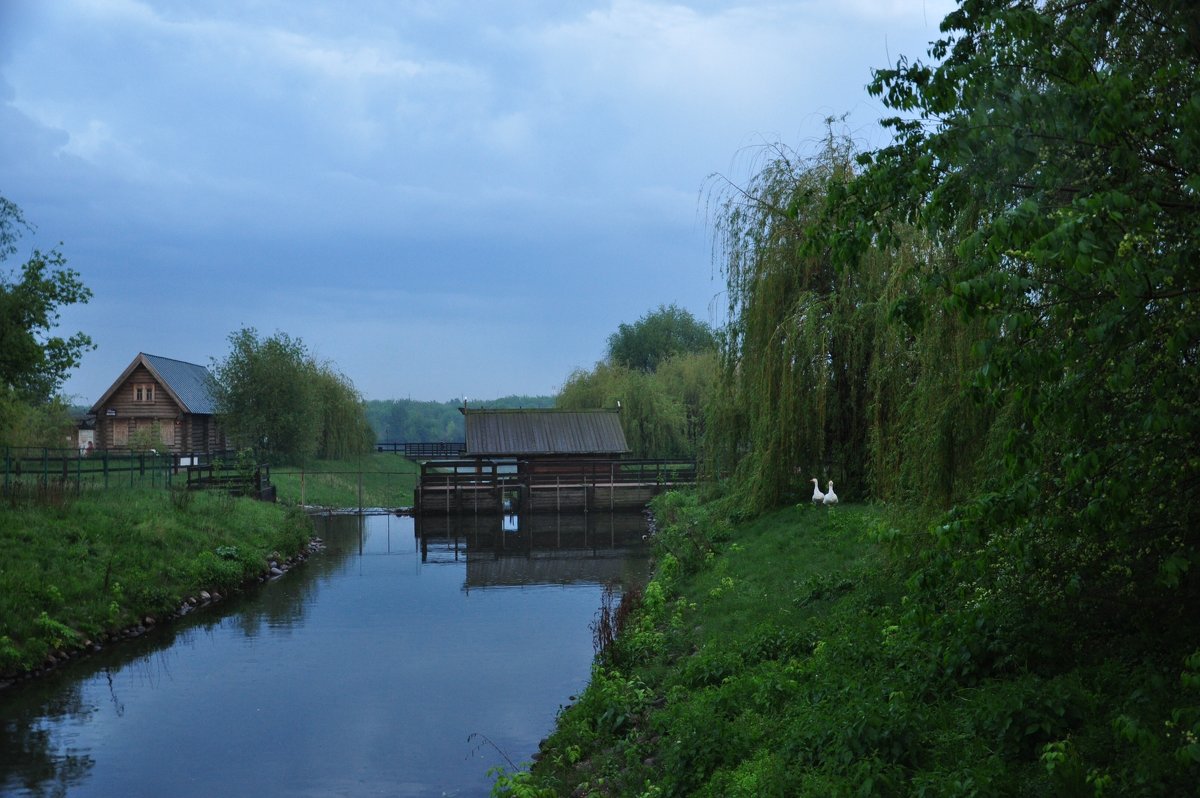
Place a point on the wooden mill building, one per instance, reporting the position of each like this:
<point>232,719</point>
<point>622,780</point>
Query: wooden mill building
<point>544,460</point>
<point>544,437</point>
<point>168,401</point>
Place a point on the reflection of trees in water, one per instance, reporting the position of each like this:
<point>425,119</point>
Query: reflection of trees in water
<point>35,728</point>
<point>281,605</point>
<point>36,753</point>
<point>33,757</point>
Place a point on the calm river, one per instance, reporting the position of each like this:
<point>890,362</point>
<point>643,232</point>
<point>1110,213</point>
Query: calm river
<point>399,661</point>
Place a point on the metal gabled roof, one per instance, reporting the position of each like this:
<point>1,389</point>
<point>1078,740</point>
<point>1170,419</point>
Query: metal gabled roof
<point>497,433</point>
<point>191,384</point>
<point>188,384</point>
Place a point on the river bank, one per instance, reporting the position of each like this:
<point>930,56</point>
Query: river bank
<point>834,651</point>
<point>81,572</point>
<point>380,479</point>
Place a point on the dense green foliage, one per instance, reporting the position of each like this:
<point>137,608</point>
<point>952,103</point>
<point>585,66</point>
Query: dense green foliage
<point>105,560</point>
<point>991,322</point>
<point>997,311</point>
<point>657,336</point>
<point>799,654</point>
<point>274,397</point>
<point>345,430</point>
<point>661,411</point>
<point>33,362</point>
<point>414,421</point>
<point>660,372</point>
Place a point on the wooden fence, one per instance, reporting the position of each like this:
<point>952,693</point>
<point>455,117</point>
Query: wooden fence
<point>427,450</point>
<point>32,471</point>
<point>456,486</point>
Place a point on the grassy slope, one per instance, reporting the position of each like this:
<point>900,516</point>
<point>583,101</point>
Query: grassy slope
<point>387,481</point>
<point>793,663</point>
<point>98,563</point>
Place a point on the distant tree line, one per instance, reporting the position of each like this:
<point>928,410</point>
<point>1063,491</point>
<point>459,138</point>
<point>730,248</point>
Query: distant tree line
<point>416,421</point>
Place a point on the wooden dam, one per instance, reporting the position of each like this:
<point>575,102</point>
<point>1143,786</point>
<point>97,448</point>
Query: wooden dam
<point>520,461</point>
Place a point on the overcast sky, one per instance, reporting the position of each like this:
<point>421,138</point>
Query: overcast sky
<point>440,197</point>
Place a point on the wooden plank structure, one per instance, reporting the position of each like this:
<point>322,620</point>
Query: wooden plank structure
<point>170,399</point>
<point>423,450</point>
<point>489,486</point>
<point>544,461</point>
<point>228,477</point>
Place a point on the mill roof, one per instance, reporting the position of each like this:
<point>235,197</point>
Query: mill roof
<point>190,385</point>
<point>496,433</point>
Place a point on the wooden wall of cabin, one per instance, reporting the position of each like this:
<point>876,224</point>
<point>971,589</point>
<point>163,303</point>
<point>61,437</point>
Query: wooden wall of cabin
<point>138,403</point>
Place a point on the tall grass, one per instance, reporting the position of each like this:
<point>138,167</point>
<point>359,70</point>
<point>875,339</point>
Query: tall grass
<point>386,480</point>
<point>802,653</point>
<point>85,566</point>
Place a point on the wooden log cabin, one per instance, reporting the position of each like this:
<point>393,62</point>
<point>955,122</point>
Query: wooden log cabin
<point>158,400</point>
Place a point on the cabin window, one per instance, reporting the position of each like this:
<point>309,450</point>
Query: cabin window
<point>143,393</point>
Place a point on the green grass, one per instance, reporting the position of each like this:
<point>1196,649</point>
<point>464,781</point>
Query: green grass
<point>796,654</point>
<point>82,567</point>
<point>31,470</point>
<point>696,681</point>
<point>387,480</point>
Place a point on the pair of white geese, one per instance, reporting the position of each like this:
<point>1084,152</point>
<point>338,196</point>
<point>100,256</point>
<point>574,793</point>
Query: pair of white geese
<point>828,497</point>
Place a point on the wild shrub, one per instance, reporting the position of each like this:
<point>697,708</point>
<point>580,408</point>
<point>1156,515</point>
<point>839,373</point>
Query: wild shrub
<point>613,617</point>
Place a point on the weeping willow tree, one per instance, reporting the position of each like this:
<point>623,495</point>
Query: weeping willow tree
<point>836,362</point>
<point>657,416</point>
<point>776,419</point>
<point>345,431</point>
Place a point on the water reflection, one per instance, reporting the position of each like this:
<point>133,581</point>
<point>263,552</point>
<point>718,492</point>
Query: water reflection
<point>538,549</point>
<point>365,671</point>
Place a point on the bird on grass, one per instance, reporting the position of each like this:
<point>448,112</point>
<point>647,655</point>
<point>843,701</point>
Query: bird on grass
<point>818,496</point>
<point>830,496</point>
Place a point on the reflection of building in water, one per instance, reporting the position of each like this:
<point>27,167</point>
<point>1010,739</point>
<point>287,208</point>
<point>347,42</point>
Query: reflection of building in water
<point>541,549</point>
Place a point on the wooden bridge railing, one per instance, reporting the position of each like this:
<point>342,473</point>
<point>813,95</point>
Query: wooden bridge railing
<point>230,478</point>
<point>423,449</point>
<point>549,472</point>
<point>542,484</point>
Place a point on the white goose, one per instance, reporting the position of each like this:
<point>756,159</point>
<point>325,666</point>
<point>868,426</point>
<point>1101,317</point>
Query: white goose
<point>818,496</point>
<point>830,496</point>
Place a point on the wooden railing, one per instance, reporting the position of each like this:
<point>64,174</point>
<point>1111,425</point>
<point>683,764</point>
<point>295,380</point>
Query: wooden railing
<point>549,472</point>
<point>228,477</point>
<point>423,450</point>
<point>30,470</point>
<point>544,484</point>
